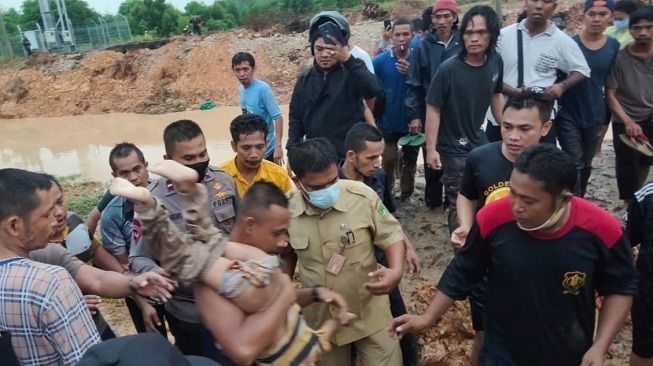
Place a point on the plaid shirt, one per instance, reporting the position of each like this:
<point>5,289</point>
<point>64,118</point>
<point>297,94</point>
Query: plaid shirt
<point>44,310</point>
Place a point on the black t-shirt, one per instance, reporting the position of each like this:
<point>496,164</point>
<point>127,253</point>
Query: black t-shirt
<point>539,308</point>
<point>463,93</point>
<point>487,174</point>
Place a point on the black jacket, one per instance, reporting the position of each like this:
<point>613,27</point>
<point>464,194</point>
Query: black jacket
<point>427,57</point>
<point>328,104</point>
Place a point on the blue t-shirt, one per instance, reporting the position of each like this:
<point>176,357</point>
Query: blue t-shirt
<point>583,104</point>
<point>258,98</point>
<point>394,87</point>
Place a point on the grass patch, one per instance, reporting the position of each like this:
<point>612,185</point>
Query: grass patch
<point>81,197</point>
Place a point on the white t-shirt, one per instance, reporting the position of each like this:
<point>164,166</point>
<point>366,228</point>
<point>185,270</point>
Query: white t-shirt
<point>361,54</point>
<point>544,54</point>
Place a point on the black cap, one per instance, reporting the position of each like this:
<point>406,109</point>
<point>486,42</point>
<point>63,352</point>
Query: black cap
<point>139,350</point>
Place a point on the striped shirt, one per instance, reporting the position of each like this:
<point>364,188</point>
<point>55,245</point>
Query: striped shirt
<point>44,310</point>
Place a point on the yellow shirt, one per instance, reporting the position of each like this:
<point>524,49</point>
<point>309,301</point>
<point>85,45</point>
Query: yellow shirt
<point>621,35</point>
<point>359,215</point>
<point>268,172</point>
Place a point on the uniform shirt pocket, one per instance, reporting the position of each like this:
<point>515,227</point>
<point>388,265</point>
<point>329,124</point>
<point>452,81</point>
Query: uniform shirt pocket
<point>224,213</point>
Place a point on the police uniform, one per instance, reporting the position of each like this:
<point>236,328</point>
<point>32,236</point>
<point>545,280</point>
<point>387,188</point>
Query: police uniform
<point>357,220</point>
<point>223,200</point>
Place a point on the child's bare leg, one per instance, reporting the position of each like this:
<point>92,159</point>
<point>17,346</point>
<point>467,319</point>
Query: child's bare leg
<point>184,177</point>
<point>138,195</point>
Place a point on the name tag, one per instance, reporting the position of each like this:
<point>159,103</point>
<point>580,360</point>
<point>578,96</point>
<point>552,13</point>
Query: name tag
<point>335,264</point>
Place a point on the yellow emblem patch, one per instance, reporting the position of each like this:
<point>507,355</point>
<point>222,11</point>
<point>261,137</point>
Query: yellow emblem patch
<point>572,282</point>
<point>217,186</point>
<point>383,211</point>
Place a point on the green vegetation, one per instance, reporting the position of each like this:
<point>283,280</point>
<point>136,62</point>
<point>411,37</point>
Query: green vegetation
<point>81,196</point>
<point>158,18</point>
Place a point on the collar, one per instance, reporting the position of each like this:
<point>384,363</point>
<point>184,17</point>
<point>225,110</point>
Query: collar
<point>550,30</point>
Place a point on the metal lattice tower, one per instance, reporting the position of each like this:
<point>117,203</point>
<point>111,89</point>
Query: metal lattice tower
<point>58,36</point>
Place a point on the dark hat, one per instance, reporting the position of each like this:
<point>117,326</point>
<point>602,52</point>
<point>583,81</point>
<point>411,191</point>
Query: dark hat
<point>604,3</point>
<point>138,350</point>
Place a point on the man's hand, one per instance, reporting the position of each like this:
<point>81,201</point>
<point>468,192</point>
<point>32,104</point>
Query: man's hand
<point>278,155</point>
<point>93,302</point>
<point>150,318</point>
<point>633,129</point>
<point>402,66</point>
<point>388,280</point>
<point>433,159</point>
<point>413,261</point>
<point>338,50</point>
<point>331,297</point>
<point>415,126</point>
<point>407,323</point>
<point>153,284</point>
<point>593,357</point>
<point>458,238</point>
<point>556,90</point>
<point>387,34</point>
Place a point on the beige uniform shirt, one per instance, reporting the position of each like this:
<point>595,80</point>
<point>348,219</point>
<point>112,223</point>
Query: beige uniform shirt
<point>315,236</point>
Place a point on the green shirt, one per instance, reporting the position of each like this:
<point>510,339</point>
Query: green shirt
<point>622,35</point>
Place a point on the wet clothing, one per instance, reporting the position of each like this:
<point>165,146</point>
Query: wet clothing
<point>182,313</point>
<point>487,174</point>
<point>463,93</point>
<point>541,286</point>
<point>268,172</point>
<point>327,104</point>
<point>640,231</point>
<point>258,99</point>
<point>315,236</point>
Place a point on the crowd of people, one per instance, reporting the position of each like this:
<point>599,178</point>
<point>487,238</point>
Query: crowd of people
<point>207,252</point>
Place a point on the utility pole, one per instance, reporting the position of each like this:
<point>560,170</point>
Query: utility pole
<point>5,37</point>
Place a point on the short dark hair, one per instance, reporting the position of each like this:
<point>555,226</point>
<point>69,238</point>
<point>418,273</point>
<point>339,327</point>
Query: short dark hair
<point>527,99</point>
<point>418,24</point>
<point>643,13</point>
<point>491,21</point>
<point>626,6</point>
<point>123,150</point>
<point>359,134</point>
<point>550,165</point>
<point>18,192</point>
<point>427,14</point>
<point>402,21</point>
<point>247,124</point>
<point>182,130</point>
<point>52,179</point>
<point>312,156</point>
<point>241,57</point>
<point>261,195</point>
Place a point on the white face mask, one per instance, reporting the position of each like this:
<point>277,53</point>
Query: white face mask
<point>551,221</point>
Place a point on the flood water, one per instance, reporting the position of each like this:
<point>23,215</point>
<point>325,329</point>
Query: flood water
<point>80,145</point>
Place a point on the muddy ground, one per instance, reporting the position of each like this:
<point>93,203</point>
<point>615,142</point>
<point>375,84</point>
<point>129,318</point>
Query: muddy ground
<point>449,342</point>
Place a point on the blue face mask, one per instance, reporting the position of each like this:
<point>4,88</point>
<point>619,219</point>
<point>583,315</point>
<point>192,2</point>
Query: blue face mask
<point>621,24</point>
<point>325,198</point>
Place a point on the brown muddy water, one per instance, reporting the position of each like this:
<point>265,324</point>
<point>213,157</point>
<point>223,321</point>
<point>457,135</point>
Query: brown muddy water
<point>80,145</point>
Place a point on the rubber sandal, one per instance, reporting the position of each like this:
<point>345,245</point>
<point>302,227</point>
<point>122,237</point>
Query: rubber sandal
<point>639,143</point>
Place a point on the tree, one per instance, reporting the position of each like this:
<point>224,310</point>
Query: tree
<point>150,15</point>
<point>78,11</point>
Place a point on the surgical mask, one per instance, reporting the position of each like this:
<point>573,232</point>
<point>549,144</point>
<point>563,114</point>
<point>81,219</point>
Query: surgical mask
<point>621,24</point>
<point>324,198</point>
<point>200,168</point>
<point>551,222</point>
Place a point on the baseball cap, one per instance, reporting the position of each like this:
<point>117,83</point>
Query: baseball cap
<point>137,350</point>
<point>604,3</point>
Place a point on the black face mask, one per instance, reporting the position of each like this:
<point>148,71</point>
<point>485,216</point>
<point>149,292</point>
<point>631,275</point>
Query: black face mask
<point>200,168</point>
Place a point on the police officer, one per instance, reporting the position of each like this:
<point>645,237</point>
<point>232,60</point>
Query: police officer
<point>334,227</point>
<point>185,143</point>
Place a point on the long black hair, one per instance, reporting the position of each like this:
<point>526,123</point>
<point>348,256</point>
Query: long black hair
<point>492,22</point>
